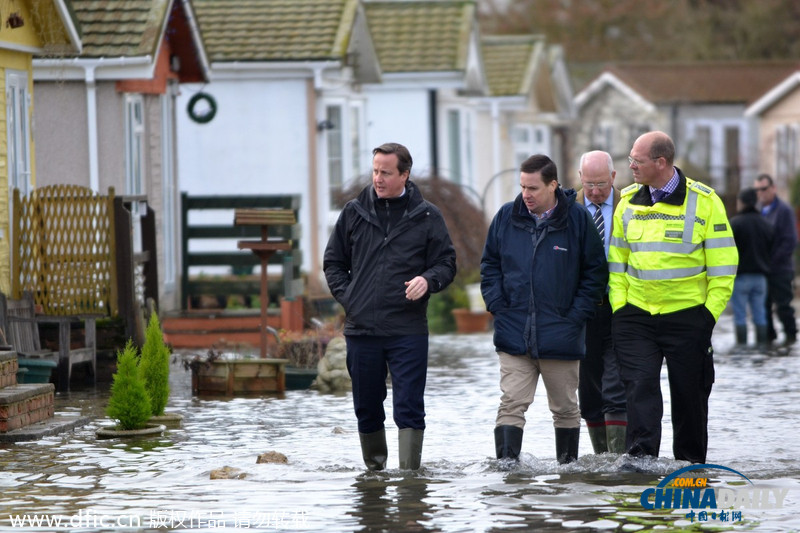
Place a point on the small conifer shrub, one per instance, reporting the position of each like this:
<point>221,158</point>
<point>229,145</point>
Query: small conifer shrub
<point>129,403</point>
<point>155,366</point>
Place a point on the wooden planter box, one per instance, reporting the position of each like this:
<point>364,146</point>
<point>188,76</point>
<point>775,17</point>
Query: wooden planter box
<point>470,321</point>
<point>239,376</point>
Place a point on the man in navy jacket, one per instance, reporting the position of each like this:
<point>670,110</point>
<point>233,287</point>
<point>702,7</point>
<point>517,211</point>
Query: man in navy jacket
<point>543,273</point>
<point>781,277</point>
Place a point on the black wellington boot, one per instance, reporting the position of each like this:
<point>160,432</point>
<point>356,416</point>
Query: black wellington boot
<point>373,449</point>
<point>567,444</point>
<point>741,337</point>
<point>507,442</point>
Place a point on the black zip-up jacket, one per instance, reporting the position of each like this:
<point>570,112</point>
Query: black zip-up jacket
<point>753,236</point>
<point>366,268</point>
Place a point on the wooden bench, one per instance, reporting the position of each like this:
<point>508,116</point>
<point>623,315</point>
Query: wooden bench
<point>21,324</point>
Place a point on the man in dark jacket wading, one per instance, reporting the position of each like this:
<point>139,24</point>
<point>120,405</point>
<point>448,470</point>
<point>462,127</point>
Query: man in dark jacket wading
<point>389,251</point>
<point>543,273</point>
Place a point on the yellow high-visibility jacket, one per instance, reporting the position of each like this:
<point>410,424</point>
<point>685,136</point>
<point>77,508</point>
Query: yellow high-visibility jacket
<point>676,254</point>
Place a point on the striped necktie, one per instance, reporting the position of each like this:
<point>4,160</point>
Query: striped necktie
<point>599,221</point>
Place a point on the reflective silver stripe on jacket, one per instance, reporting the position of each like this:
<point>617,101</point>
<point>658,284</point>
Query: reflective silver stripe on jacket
<point>661,275</point>
<point>671,247</point>
<point>725,270</point>
<point>720,242</point>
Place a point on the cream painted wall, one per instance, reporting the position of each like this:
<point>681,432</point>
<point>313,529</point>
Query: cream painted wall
<point>785,112</point>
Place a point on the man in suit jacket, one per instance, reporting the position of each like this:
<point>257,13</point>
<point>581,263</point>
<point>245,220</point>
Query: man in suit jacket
<point>600,390</point>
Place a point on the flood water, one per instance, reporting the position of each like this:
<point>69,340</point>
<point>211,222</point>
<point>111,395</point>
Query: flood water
<point>164,482</point>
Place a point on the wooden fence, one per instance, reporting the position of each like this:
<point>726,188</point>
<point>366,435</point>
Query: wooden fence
<point>64,250</point>
<point>194,286</point>
<point>73,251</point>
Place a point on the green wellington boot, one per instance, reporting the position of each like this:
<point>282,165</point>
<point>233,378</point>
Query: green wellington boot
<point>410,448</point>
<point>615,435</point>
<point>597,434</point>
<point>373,449</point>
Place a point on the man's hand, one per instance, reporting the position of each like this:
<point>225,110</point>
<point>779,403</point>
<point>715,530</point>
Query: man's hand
<point>416,288</point>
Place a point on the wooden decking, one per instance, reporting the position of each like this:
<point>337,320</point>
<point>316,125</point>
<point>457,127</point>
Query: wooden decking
<point>204,329</point>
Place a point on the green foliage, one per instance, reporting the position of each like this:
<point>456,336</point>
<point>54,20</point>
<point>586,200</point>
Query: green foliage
<point>440,305</point>
<point>129,403</point>
<point>154,366</point>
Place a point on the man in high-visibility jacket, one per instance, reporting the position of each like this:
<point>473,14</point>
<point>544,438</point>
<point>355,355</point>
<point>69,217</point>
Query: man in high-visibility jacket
<point>672,263</point>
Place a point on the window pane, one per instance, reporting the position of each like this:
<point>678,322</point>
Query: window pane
<point>454,144</point>
<point>335,150</point>
<point>355,142</point>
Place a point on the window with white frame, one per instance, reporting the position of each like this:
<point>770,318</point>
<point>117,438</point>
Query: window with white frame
<point>787,159</point>
<point>134,161</point>
<point>134,144</point>
<point>603,137</point>
<point>701,148</point>
<point>458,142</point>
<point>18,147</point>
<point>356,167</point>
<point>335,150</point>
<point>18,131</point>
<point>454,144</point>
<point>529,139</point>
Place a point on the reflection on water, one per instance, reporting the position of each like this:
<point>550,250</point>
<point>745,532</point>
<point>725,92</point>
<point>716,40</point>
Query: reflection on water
<point>163,482</point>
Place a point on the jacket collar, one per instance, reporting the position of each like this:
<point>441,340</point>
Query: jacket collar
<point>642,196</point>
<point>558,219</point>
<point>366,200</point>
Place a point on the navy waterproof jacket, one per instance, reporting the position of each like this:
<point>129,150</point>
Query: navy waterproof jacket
<point>543,282</point>
<point>366,270</point>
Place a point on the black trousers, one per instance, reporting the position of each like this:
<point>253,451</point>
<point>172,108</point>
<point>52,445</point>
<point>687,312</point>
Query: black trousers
<point>370,360</point>
<point>779,298</point>
<point>642,342</point>
<point>600,389</point>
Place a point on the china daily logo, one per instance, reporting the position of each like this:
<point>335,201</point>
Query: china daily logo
<point>680,491</point>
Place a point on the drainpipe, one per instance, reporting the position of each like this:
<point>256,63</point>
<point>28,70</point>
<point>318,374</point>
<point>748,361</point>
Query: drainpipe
<point>91,116</point>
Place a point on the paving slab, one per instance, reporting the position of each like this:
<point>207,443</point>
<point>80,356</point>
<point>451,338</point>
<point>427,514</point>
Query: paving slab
<point>52,426</point>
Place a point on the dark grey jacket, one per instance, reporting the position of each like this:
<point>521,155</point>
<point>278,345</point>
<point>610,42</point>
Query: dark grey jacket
<point>366,270</point>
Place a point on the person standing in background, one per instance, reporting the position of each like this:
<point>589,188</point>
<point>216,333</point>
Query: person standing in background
<point>600,390</point>
<point>753,235</point>
<point>780,281</point>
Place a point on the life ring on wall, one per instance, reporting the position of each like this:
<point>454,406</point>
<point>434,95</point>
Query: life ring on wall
<point>204,117</point>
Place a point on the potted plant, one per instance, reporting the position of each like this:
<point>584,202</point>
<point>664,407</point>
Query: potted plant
<point>154,365</point>
<point>217,375</point>
<point>129,403</point>
<point>303,351</point>
<point>451,309</point>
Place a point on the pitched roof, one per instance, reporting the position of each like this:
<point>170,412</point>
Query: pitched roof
<point>421,35</point>
<point>120,28</point>
<point>703,82</point>
<point>507,60</point>
<point>275,30</point>
<point>774,95</point>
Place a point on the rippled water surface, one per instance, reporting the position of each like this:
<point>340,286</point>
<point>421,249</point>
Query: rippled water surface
<point>164,482</point>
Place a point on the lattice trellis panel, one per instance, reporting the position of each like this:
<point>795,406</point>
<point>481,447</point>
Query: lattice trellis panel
<point>64,251</point>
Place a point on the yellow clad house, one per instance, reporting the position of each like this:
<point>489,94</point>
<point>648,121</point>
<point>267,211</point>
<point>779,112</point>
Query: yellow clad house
<point>28,28</point>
